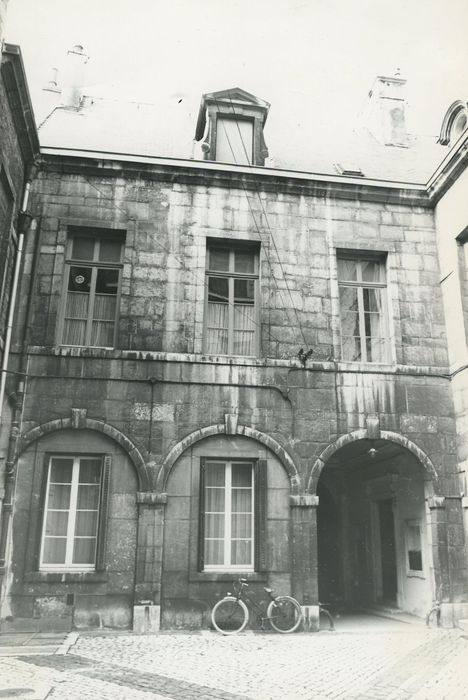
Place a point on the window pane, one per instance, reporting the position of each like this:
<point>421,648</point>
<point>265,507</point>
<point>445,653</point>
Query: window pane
<point>371,271</point>
<point>218,289</point>
<point>241,526</point>
<point>214,500</point>
<point>241,500</point>
<point>102,334</point>
<point>214,525</point>
<point>218,259</point>
<point>242,474</point>
<point>241,552</point>
<point>244,291</point>
<point>54,550</point>
<point>88,497</point>
<point>83,248</point>
<point>244,262</point>
<point>348,299</point>
<point>90,471</point>
<point>107,281</point>
<point>84,550</point>
<point>215,473</point>
<point>57,523</point>
<point>61,470</point>
<point>214,552</point>
<point>350,323</point>
<point>109,250</point>
<point>376,350</point>
<point>59,497</point>
<point>86,524</point>
<point>351,349</point>
<point>347,270</point>
<point>79,279</point>
<point>372,299</point>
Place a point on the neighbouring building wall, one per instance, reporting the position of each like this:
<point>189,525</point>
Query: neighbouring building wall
<point>452,237</point>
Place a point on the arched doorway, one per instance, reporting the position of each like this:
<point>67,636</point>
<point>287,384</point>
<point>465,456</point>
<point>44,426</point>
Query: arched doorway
<point>372,535</point>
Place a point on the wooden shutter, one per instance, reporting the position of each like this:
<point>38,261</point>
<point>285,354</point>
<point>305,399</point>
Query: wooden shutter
<point>261,494</point>
<point>103,511</point>
<point>41,513</point>
<point>201,517</point>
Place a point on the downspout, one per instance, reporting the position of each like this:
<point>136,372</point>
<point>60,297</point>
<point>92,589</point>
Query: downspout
<point>24,218</point>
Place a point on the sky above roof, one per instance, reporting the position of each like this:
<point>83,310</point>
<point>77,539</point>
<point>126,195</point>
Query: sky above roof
<point>321,54</point>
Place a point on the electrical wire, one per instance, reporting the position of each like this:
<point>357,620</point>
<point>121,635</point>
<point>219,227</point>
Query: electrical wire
<point>182,263</point>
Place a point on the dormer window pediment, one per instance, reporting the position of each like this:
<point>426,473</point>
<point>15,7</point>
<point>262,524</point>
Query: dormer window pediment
<point>230,127</point>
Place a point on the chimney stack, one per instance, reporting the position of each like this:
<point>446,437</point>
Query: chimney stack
<point>385,113</point>
<point>73,77</point>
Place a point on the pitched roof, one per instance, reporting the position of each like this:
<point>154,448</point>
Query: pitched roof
<point>295,142</point>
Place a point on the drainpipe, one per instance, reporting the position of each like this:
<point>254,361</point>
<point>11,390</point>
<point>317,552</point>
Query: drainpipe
<point>24,218</point>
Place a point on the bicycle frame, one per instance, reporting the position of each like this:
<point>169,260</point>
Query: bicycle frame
<point>240,593</point>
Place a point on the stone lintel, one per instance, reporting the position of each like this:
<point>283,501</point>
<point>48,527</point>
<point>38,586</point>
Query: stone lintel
<point>151,498</point>
<point>304,500</point>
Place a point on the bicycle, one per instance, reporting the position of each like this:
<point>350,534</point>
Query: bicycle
<point>231,614</point>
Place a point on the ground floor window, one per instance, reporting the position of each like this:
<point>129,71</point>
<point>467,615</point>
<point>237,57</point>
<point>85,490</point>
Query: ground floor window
<point>73,506</point>
<point>231,515</point>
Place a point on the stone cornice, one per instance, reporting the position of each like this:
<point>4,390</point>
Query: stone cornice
<point>210,173</point>
<point>14,77</point>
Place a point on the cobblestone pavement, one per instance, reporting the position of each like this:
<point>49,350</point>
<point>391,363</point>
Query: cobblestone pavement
<point>359,664</point>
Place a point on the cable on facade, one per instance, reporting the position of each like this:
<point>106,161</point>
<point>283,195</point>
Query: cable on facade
<point>181,261</point>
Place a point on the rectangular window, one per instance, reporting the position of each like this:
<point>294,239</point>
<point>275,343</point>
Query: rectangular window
<point>234,140</point>
<point>231,307</point>
<point>72,509</point>
<point>229,515</point>
<point>362,290</point>
<point>413,545</point>
<point>92,278</point>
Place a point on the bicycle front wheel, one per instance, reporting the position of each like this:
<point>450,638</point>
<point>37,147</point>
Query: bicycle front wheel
<point>284,614</point>
<point>230,615</point>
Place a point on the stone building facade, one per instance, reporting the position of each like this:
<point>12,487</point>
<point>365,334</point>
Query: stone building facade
<point>234,369</point>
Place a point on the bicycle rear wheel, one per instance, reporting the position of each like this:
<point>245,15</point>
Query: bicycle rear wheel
<point>284,614</point>
<point>230,615</point>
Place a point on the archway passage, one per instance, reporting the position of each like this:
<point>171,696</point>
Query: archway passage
<point>371,529</point>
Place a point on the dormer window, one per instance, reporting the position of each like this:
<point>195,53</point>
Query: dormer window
<point>230,127</point>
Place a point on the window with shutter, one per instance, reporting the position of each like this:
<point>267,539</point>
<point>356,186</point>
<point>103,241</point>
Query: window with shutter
<point>75,497</point>
<point>232,515</point>
<point>92,285</point>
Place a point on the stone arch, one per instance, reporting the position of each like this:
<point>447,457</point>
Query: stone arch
<point>320,462</point>
<point>224,429</point>
<point>127,445</point>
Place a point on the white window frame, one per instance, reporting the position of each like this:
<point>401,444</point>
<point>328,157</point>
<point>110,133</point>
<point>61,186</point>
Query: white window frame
<point>228,539</point>
<point>68,565</point>
<point>360,285</point>
<point>95,264</point>
<point>231,275</point>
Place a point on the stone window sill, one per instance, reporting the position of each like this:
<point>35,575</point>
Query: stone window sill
<point>66,577</point>
<point>226,576</point>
